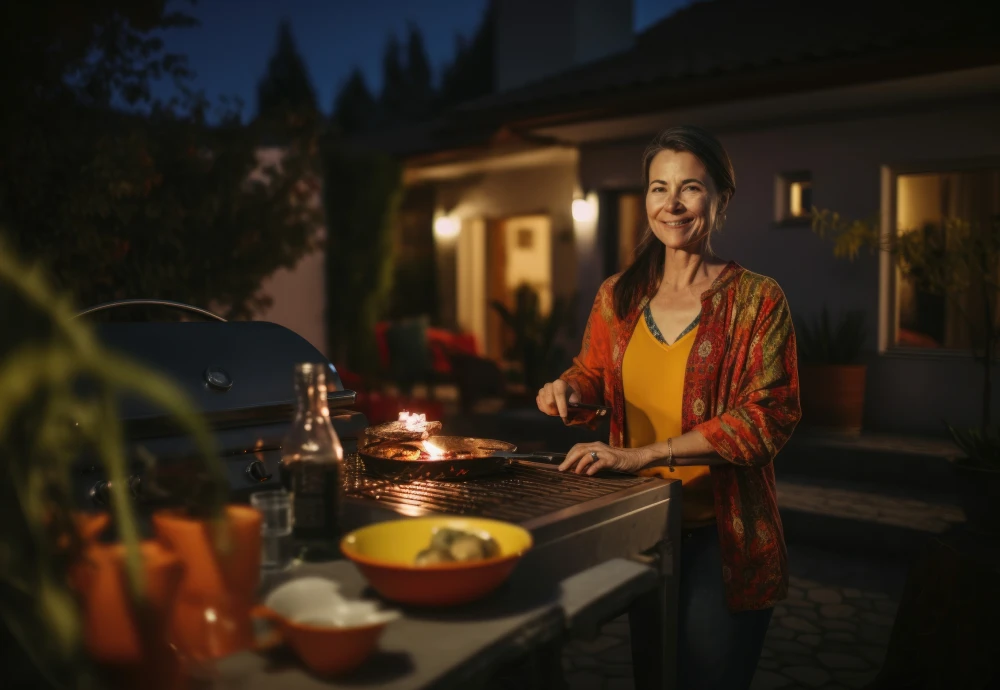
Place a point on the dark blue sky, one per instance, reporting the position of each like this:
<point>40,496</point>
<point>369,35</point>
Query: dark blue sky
<point>229,51</point>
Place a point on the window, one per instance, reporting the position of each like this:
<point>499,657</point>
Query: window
<point>924,202</point>
<point>793,197</point>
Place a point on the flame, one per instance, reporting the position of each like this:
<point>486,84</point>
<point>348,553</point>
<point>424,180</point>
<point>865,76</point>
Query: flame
<point>413,422</point>
<point>435,452</point>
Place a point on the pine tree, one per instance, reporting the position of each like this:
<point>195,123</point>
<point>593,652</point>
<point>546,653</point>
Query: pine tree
<point>393,99</point>
<point>418,76</point>
<point>470,74</point>
<point>354,109</point>
<point>285,88</point>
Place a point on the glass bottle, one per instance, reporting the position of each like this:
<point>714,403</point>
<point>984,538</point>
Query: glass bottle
<point>312,467</point>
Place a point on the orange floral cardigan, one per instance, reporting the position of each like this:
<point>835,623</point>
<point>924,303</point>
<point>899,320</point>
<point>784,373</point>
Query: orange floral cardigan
<point>741,392</point>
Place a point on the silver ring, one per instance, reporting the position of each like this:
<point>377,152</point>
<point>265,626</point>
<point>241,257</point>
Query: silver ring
<point>593,454</point>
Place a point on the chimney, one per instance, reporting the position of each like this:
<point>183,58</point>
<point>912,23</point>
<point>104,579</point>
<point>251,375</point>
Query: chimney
<point>535,39</point>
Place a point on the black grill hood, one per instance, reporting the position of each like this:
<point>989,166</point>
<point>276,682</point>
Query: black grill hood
<point>236,373</point>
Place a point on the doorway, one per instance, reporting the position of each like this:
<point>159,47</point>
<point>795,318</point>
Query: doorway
<point>519,253</point>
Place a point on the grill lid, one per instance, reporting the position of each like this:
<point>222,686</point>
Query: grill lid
<point>236,373</point>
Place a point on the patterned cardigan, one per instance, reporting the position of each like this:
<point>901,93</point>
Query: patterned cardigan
<point>741,391</point>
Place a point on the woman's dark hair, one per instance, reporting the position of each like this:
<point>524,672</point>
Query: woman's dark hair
<point>644,275</point>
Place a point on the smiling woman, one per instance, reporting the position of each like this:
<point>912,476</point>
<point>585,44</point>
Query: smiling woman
<point>696,358</point>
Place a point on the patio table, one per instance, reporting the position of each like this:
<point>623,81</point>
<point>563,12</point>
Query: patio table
<point>461,647</point>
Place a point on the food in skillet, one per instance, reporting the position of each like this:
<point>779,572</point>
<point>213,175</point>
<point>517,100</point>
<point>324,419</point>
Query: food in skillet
<point>454,545</point>
<point>409,427</point>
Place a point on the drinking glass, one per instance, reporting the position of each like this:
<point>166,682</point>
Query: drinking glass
<point>275,508</point>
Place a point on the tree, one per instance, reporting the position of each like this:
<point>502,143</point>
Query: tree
<point>953,259</point>
<point>395,90</point>
<point>418,77</point>
<point>285,88</point>
<point>354,109</point>
<point>156,205</point>
<point>361,195</point>
<point>471,72</point>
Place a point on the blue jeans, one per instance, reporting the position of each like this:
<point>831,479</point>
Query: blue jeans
<point>716,648</point>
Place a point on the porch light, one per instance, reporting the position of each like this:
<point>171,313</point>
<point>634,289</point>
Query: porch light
<point>446,227</point>
<point>585,210</point>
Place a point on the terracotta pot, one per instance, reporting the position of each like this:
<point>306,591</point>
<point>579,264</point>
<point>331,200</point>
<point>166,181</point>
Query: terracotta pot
<point>979,491</point>
<point>130,643</point>
<point>833,396</point>
<point>212,614</point>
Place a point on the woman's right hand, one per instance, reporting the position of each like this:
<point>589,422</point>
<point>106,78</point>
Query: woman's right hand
<point>554,398</point>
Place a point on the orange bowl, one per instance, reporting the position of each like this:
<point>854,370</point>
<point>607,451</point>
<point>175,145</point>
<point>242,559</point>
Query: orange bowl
<point>385,553</point>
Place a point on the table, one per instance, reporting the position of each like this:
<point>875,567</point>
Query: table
<point>444,649</point>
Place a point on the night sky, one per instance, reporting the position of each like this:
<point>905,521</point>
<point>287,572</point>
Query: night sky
<point>230,50</point>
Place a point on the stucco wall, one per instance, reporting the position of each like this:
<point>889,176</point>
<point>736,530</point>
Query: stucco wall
<point>905,392</point>
<point>496,195</point>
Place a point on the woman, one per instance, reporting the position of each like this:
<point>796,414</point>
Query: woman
<point>696,357</point>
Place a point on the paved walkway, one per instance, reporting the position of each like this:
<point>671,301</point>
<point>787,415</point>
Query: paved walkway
<point>825,636</point>
<point>832,631</point>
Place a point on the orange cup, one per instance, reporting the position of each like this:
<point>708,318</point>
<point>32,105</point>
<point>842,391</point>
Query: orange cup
<point>211,618</point>
<point>133,651</point>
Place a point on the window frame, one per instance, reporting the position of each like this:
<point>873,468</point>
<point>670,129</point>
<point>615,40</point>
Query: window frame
<point>783,182</point>
<point>888,322</point>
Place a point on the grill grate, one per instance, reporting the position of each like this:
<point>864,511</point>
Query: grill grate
<point>520,493</point>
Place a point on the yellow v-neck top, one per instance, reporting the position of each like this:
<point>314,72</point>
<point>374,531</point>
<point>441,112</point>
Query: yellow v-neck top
<point>653,379</point>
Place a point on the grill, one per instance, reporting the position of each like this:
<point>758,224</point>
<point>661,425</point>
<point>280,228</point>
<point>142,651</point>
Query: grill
<point>523,492</point>
<point>239,374</point>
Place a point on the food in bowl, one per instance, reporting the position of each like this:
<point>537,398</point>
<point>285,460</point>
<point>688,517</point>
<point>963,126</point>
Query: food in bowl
<point>386,554</point>
<point>449,545</point>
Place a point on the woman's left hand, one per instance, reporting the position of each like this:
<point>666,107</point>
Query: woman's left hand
<point>590,458</point>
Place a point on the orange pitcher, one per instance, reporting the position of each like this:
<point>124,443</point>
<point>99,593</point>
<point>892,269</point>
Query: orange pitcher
<point>211,616</point>
<point>130,642</point>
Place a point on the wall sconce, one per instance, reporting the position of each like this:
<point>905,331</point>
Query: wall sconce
<point>585,210</point>
<point>585,218</point>
<point>447,227</point>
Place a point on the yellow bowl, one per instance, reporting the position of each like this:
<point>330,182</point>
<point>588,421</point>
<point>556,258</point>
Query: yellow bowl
<point>385,554</point>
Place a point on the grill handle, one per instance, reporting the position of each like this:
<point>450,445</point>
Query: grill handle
<point>150,303</point>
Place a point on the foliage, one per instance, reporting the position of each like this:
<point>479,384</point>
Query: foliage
<point>285,87</point>
<point>354,109</point>
<point>952,259</point>
<point>980,446</point>
<point>535,345</point>
<point>47,420</point>
<point>470,74</point>
<point>820,342</point>
<point>361,193</point>
<point>155,204</point>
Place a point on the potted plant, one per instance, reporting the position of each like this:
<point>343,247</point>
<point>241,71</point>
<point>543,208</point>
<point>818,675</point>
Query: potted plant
<point>76,608</point>
<point>831,375</point>
<point>951,259</point>
<point>534,345</point>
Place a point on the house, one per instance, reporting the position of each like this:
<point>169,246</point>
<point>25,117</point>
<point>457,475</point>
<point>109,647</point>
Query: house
<point>866,108</point>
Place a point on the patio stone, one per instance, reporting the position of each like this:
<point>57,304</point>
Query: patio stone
<point>583,680</point>
<point>595,646</point>
<point>840,637</point>
<point>768,680</point>
<point>779,633</point>
<point>799,624</point>
<point>620,684</point>
<point>809,676</point>
<point>788,647</point>
<point>824,596</point>
<point>838,611</point>
<point>886,607</point>
<point>855,679</point>
<point>842,661</point>
<point>839,625</point>
<point>811,640</point>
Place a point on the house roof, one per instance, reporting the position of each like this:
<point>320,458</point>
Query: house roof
<point>724,50</point>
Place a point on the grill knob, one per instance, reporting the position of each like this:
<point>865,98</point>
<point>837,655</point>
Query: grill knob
<point>257,472</point>
<point>99,493</point>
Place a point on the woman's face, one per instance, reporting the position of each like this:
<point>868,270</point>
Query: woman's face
<point>681,200</point>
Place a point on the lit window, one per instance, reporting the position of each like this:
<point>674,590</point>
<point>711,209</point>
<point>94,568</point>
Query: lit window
<point>793,197</point>
<point>942,207</point>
